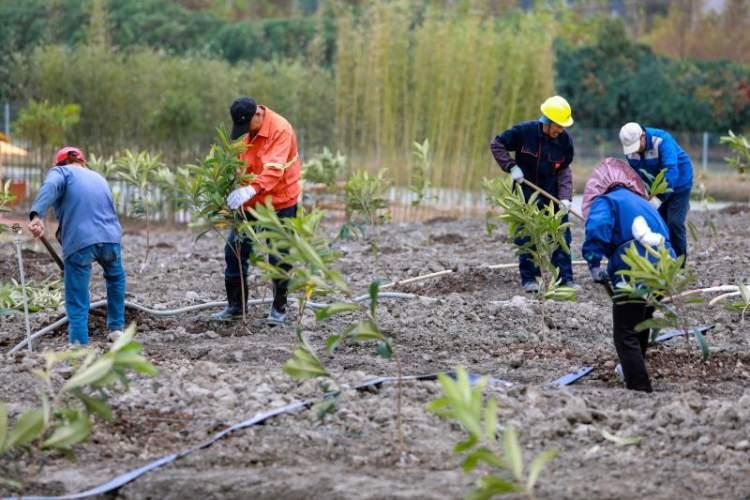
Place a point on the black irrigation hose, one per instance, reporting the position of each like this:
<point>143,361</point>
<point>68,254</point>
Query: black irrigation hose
<point>123,479</point>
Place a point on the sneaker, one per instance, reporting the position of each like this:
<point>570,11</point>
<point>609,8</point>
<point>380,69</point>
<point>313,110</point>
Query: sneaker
<point>114,335</point>
<point>275,317</point>
<point>530,287</point>
<point>619,373</point>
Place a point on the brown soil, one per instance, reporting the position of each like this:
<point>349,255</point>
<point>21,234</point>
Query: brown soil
<point>693,427</point>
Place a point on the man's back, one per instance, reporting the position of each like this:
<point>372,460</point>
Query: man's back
<point>84,207</point>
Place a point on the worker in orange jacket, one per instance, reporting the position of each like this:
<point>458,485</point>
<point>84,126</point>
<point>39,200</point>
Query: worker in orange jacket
<point>271,154</point>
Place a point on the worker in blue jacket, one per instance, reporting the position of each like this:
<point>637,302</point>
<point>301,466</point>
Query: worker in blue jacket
<point>89,232</point>
<point>543,152</point>
<point>618,215</point>
<point>649,151</point>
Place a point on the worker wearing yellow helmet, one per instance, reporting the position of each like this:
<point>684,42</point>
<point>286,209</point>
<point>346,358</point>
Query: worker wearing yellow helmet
<point>542,154</point>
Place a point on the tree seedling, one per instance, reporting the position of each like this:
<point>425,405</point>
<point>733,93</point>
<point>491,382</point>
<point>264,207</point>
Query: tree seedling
<point>542,231</point>
<point>140,171</point>
<point>325,168</point>
<point>365,201</point>
<point>6,196</point>
<point>463,402</point>
<point>657,185</point>
<point>304,257</point>
<point>740,147</point>
<point>419,183</point>
<point>204,188</point>
<point>660,280</point>
<point>67,411</point>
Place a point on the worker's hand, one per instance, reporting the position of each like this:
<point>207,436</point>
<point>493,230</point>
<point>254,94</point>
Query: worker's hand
<point>565,206</point>
<point>599,275</point>
<point>36,226</point>
<point>516,174</point>
<point>655,202</point>
<point>239,196</point>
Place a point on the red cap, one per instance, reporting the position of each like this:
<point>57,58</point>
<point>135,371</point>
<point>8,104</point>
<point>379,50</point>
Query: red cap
<point>69,152</point>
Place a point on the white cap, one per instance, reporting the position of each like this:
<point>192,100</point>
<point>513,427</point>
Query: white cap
<point>630,137</point>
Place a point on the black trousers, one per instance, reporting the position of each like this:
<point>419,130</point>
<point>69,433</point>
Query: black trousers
<point>631,345</point>
<point>232,270</point>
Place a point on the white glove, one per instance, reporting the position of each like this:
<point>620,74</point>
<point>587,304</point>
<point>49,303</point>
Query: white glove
<point>239,196</point>
<point>655,202</point>
<point>643,233</point>
<point>516,174</point>
<point>565,205</point>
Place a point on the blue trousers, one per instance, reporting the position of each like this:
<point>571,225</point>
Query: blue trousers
<point>560,259</point>
<point>674,211</point>
<point>77,276</point>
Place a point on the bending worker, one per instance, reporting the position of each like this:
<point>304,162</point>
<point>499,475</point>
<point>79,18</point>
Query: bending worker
<point>649,151</point>
<point>271,154</point>
<point>543,152</point>
<point>617,215</point>
<point>88,232</point>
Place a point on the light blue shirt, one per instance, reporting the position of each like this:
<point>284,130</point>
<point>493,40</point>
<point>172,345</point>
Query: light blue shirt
<point>83,205</point>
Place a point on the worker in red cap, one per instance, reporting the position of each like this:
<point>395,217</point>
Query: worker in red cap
<point>88,231</point>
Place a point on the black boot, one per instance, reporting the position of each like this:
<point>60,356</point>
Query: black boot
<point>233,310</point>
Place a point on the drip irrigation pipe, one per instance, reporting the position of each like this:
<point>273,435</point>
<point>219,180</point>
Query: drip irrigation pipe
<point>123,479</point>
<point>260,418</point>
<point>723,297</point>
<point>196,307</point>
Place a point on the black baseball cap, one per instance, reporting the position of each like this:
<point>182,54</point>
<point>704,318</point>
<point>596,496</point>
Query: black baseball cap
<point>242,111</point>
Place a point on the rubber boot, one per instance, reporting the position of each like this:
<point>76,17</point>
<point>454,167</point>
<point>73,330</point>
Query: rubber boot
<point>233,309</point>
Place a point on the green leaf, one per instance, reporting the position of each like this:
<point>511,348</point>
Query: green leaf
<point>28,427</point>
<point>136,362</point>
<point>70,434</point>
<point>513,452</point>
<point>3,426</point>
<point>304,365</point>
<point>366,330</point>
<point>332,342</point>
<point>536,466</point>
<point>491,486</point>
<point>325,407</point>
<point>124,339</point>
<point>98,370</point>
<point>336,308</point>
<point>619,441</point>
<point>658,323</point>
<point>465,446</point>
<point>385,349</point>
<point>702,344</point>
<point>95,406</point>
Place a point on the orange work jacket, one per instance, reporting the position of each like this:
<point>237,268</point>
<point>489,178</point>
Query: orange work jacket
<point>272,156</point>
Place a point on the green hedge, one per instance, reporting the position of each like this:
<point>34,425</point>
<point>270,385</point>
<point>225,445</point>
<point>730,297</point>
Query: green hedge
<point>615,80</point>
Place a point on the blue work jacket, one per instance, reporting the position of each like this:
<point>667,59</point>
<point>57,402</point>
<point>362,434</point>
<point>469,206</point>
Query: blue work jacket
<point>662,151</point>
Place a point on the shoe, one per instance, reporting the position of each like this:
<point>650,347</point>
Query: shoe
<point>275,317</point>
<point>114,335</point>
<point>619,373</point>
<point>571,284</point>
<point>530,287</point>
<point>233,310</point>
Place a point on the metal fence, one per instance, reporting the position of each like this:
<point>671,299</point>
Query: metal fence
<point>27,172</point>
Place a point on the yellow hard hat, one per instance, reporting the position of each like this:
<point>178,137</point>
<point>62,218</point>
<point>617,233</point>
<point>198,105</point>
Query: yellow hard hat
<point>557,110</point>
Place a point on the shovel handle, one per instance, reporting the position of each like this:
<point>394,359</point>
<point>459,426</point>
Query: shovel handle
<point>52,253</point>
<point>549,196</point>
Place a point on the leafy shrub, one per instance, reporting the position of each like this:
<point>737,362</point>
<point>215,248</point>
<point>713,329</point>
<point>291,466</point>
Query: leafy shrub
<point>463,402</point>
<point>67,412</point>
<point>325,168</point>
